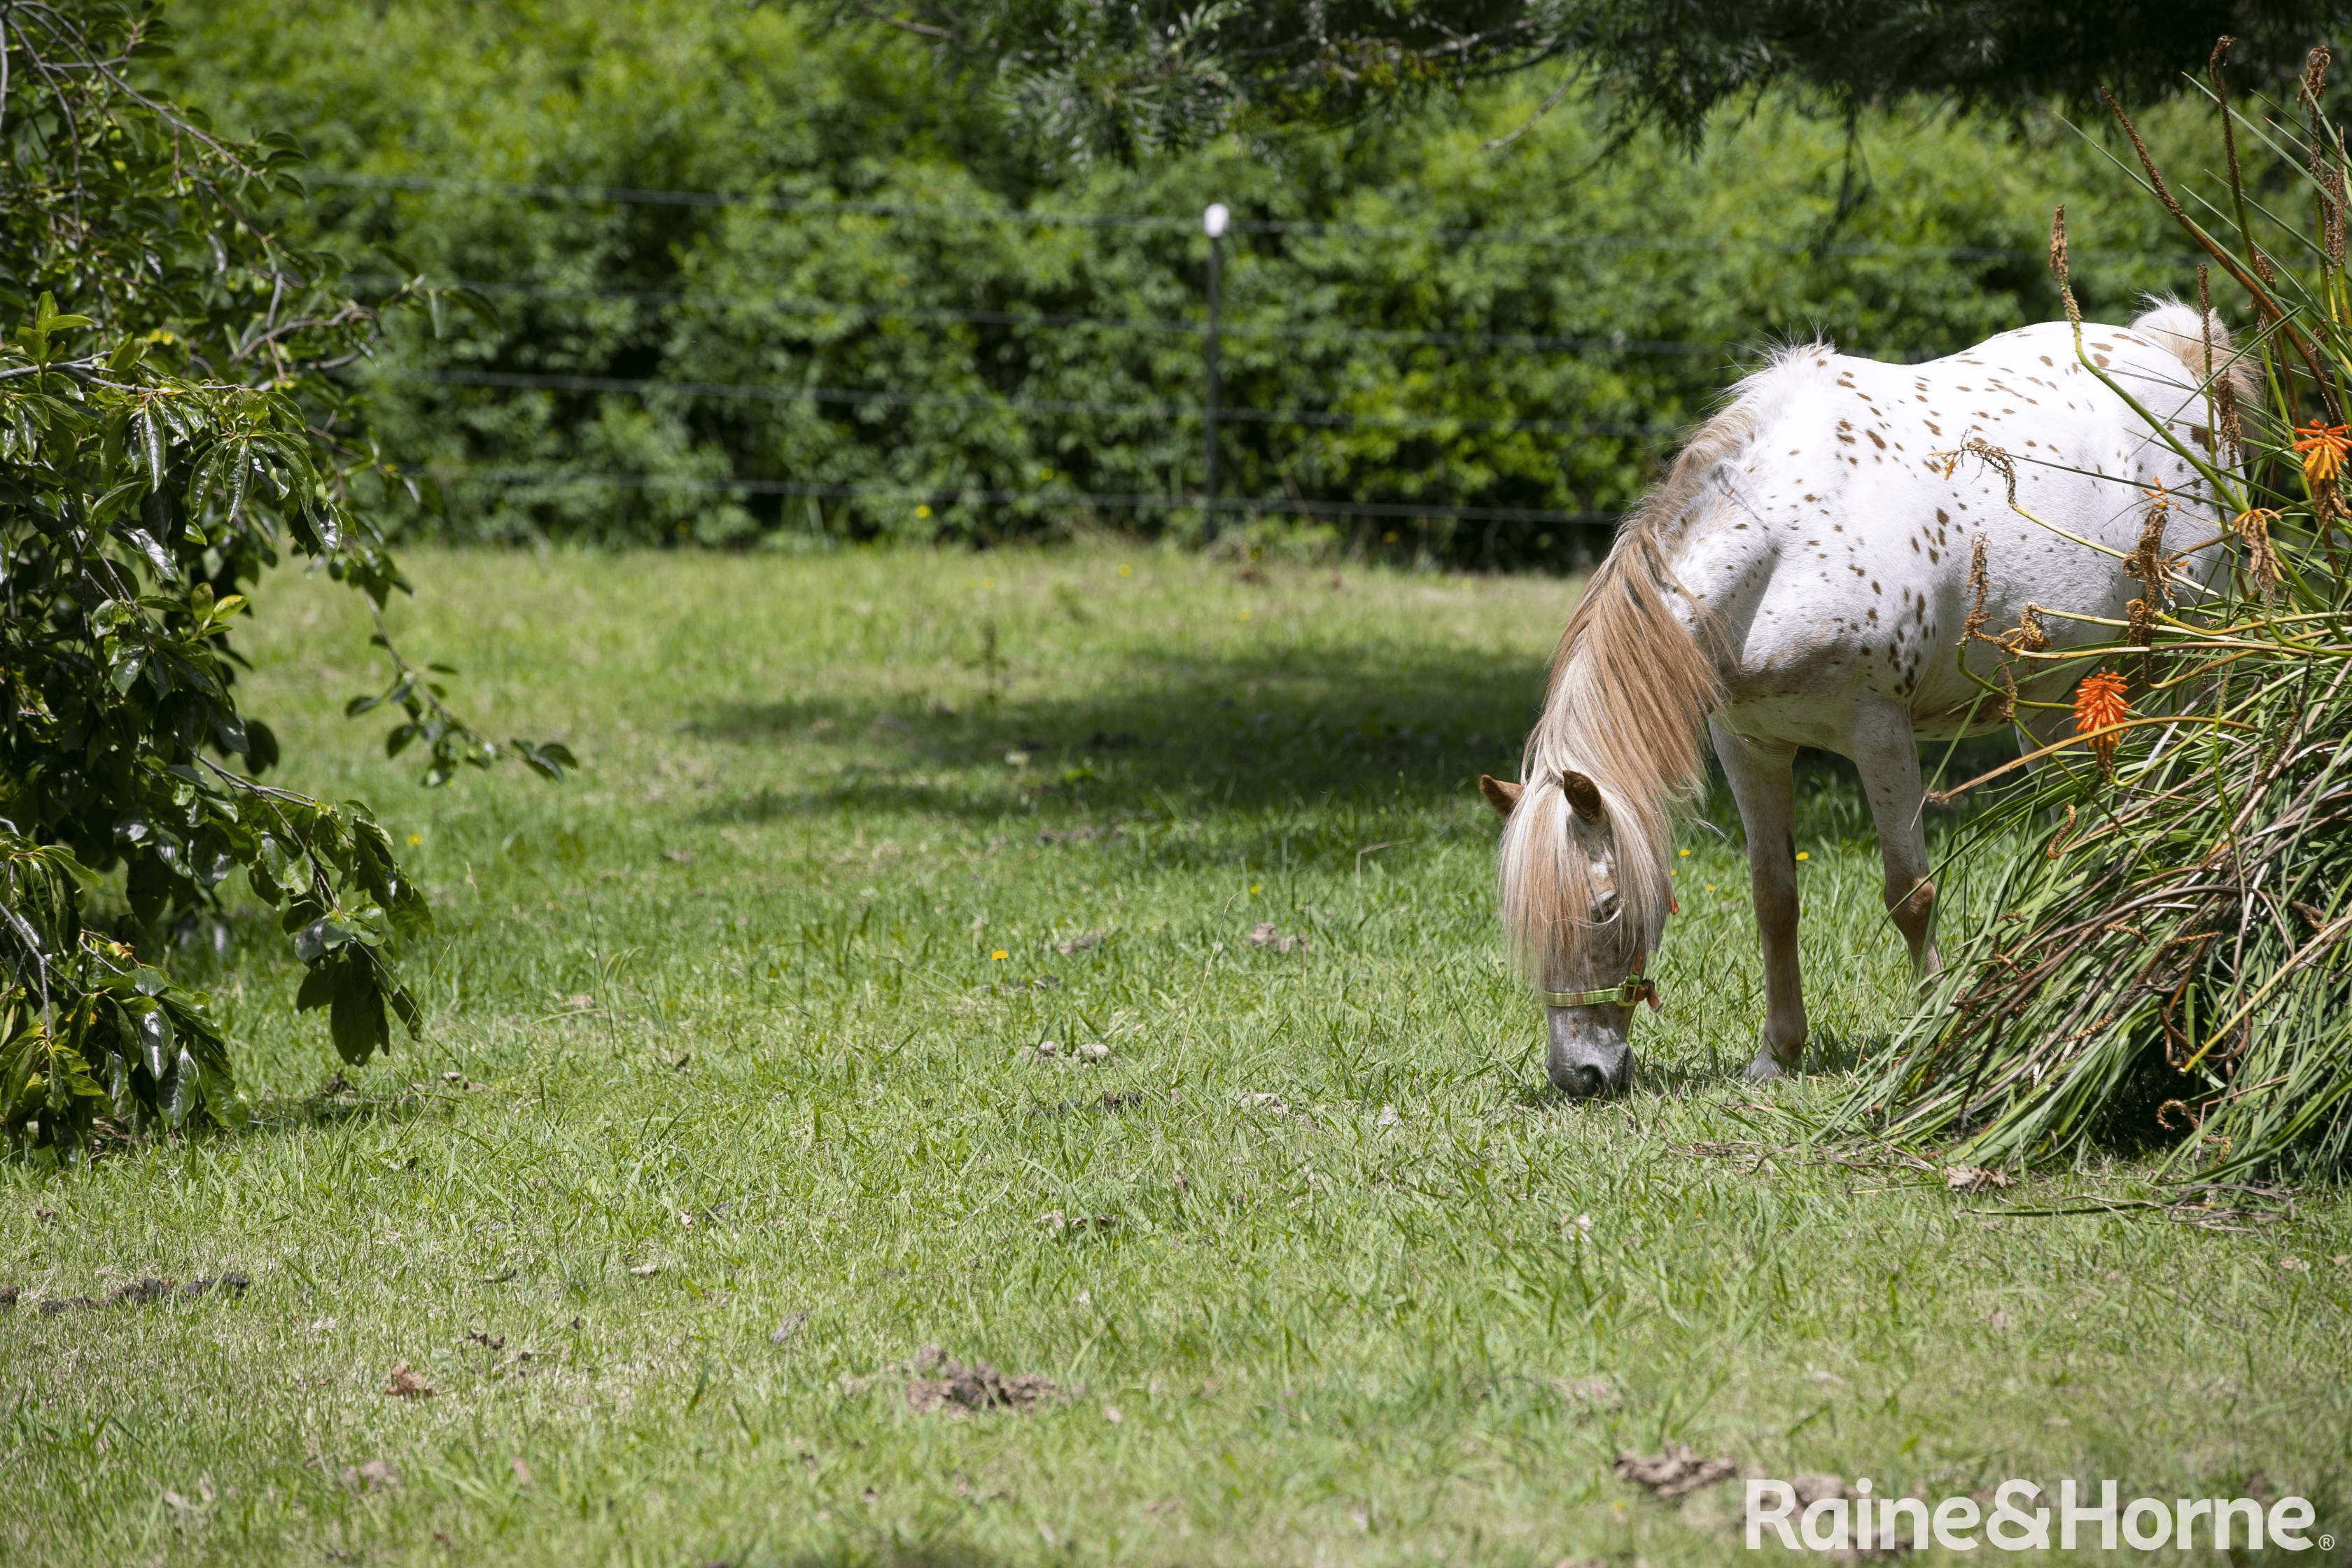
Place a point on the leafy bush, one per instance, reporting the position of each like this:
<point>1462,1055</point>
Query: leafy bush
<point>902,246</point>
<point>158,439</point>
<point>2162,959</point>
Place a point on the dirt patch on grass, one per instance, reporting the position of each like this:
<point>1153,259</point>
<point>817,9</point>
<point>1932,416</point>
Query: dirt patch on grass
<point>376,1475</point>
<point>939,1383</point>
<point>407,1384</point>
<point>1590,1394</point>
<point>1266,934</point>
<point>1675,1473</point>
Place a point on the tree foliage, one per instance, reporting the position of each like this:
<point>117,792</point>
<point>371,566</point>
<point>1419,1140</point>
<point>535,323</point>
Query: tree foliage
<point>1092,79</point>
<point>990,350</point>
<point>165,433</point>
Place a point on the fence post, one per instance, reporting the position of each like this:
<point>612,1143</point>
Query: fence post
<point>1213,224</point>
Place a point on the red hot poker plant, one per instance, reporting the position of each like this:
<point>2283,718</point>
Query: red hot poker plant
<point>2098,705</point>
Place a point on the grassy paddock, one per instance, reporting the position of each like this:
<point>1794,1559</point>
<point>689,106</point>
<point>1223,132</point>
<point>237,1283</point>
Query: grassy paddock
<point>721,1041</point>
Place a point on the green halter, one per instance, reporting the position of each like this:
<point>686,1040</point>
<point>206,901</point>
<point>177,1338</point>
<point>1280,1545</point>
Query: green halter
<point>1624,994</point>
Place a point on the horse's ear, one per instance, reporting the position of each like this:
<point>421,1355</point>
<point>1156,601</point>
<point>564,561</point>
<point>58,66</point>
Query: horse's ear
<point>1504,797</point>
<point>1583,794</point>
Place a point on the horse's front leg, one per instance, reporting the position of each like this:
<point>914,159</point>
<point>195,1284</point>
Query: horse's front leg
<point>1762,783</point>
<point>1886,753</point>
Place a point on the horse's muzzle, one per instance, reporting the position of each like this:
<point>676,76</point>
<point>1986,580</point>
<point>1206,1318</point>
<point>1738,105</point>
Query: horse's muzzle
<point>1584,1057</point>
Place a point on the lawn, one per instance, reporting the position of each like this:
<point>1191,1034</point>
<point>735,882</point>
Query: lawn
<point>734,1097</point>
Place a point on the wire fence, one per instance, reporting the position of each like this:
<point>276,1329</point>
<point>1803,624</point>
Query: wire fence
<point>848,310</point>
<point>1187,223</point>
<point>1203,417</point>
<point>1138,501</point>
<point>649,386</point>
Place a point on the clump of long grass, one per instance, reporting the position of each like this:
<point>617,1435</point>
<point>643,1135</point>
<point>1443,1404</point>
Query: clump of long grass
<point>2162,954</point>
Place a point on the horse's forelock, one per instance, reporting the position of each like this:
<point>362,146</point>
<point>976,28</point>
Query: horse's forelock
<point>1547,891</point>
<point>1544,893</point>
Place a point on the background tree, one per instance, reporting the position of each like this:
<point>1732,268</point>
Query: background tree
<point>1094,79</point>
<point>163,433</point>
<point>761,279</point>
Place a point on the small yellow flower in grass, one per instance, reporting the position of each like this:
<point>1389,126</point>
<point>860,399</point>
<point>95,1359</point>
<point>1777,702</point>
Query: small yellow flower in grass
<point>1127,570</point>
<point>1710,887</point>
<point>998,956</point>
<point>1245,615</point>
<point>1804,854</point>
<point>1255,889</point>
<point>416,838</point>
<point>922,511</point>
<point>2323,447</point>
<point>1686,854</point>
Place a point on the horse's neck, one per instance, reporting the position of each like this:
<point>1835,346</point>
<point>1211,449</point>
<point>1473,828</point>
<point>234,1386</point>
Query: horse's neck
<point>1633,692</point>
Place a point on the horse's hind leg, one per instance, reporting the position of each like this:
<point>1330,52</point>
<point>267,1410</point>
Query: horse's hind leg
<point>1886,753</point>
<point>1760,774</point>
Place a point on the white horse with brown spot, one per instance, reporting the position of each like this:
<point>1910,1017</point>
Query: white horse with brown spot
<point>1801,579</point>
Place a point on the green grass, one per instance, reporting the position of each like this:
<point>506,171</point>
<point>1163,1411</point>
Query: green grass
<point>740,970</point>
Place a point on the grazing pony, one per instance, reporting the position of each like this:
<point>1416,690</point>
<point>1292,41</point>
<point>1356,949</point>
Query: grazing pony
<point>1801,579</point>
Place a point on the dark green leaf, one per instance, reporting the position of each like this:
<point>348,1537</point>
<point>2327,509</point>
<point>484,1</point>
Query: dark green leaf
<point>151,436</point>
<point>317,987</point>
<point>261,746</point>
<point>155,1041</point>
<point>356,1019</point>
<point>180,1096</point>
<point>321,936</point>
<point>157,556</point>
<point>125,667</point>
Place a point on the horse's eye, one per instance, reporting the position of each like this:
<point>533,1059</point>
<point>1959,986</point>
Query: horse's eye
<point>1606,909</point>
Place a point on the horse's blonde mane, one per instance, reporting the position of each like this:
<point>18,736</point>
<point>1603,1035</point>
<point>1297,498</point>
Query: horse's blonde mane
<point>1630,689</point>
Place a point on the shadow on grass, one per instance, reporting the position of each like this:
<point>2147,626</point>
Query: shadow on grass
<point>883,1553</point>
<point>1241,732</point>
<point>328,1108</point>
<point>268,1117</point>
<point>1237,734</point>
<point>1834,1055</point>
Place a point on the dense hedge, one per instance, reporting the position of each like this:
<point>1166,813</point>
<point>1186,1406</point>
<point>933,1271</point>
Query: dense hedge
<point>1718,255</point>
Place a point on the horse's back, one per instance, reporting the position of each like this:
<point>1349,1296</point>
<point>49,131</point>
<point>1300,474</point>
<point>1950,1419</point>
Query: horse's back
<point>1839,567</point>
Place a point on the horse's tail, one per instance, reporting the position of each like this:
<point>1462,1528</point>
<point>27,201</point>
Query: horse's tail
<point>1632,684</point>
<point>2201,341</point>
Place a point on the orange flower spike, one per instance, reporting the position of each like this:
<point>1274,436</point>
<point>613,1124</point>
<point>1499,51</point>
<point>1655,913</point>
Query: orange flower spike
<point>2323,447</point>
<point>2098,703</point>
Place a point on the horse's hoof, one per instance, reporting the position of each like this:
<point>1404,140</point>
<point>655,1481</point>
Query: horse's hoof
<point>1767,1065</point>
